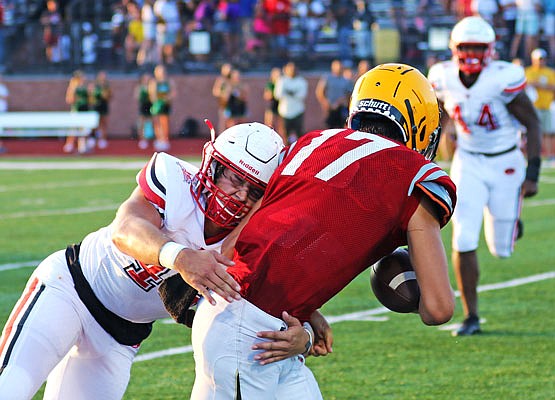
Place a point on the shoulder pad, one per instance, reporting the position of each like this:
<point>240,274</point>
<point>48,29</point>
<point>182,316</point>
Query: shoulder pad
<point>438,187</point>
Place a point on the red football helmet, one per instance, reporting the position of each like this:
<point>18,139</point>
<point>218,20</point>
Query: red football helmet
<point>250,151</point>
<point>472,44</point>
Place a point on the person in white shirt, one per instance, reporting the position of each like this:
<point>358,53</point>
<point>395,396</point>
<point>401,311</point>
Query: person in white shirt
<point>291,91</point>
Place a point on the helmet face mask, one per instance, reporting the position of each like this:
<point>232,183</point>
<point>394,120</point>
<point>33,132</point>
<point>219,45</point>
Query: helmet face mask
<point>251,152</point>
<point>472,44</point>
<point>403,95</point>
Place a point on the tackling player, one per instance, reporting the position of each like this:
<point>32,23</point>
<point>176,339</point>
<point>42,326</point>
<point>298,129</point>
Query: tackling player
<point>85,311</point>
<point>483,96</point>
<point>341,200</point>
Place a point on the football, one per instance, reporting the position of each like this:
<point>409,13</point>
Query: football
<point>394,282</point>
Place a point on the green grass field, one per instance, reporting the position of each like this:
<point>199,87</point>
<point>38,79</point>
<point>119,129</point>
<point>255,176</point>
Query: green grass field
<point>376,356</point>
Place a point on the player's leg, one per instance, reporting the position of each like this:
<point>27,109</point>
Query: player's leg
<point>98,369</point>
<point>298,382</point>
<point>223,336</point>
<point>503,210</point>
<point>467,173</point>
<point>42,328</point>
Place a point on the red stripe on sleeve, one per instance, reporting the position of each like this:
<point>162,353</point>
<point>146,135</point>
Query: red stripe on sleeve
<point>516,88</point>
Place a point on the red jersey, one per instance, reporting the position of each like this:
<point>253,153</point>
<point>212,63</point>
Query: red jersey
<point>339,201</point>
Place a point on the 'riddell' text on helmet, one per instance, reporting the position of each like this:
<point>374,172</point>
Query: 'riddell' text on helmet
<point>249,150</point>
<point>472,44</point>
<point>402,94</point>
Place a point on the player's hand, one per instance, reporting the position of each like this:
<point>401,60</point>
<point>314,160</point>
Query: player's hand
<point>529,188</point>
<point>323,335</point>
<point>282,344</point>
<point>205,270</point>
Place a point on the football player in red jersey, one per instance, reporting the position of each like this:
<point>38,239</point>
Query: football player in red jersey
<point>486,100</point>
<point>340,200</point>
<point>80,320</point>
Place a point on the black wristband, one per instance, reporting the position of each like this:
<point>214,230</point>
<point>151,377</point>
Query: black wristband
<point>533,169</point>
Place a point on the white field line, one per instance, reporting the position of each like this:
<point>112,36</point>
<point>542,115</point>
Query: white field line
<point>65,211</point>
<point>364,315</point>
<point>98,164</point>
<point>61,185</point>
<point>6,267</point>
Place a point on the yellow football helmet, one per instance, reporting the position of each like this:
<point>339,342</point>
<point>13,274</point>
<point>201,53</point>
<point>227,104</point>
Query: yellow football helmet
<point>401,93</point>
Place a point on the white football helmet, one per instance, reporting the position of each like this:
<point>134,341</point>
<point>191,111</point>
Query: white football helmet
<point>472,31</point>
<point>249,150</point>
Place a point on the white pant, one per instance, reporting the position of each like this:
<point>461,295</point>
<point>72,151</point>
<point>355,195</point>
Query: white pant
<point>50,333</point>
<point>222,338</point>
<point>488,190</point>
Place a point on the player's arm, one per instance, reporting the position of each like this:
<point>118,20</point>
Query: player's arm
<point>137,232</point>
<point>314,338</point>
<point>523,110</point>
<point>323,335</point>
<point>427,253</point>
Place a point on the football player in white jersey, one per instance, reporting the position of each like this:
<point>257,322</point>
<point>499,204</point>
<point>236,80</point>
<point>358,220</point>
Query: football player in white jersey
<point>483,96</point>
<point>85,311</point>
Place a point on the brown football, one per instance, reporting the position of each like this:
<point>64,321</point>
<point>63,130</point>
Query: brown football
<point>394,282</point>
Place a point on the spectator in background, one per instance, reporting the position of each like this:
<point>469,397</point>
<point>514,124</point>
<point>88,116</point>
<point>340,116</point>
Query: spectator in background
<point>278,13</point>
<point>168,26</point>
<point>342,12</point>
<point>262,31</point>
<point>148,53</point>
<point>271,114</point>
<point>363,67</point>
<point>542,78</point>
<point>89,42</point>
<point>118,30</point>
<point>145,129</point>
<point>2,39</point>
<point>218,91</point>
<point>487,9</point>
<point>236,95</point>
<point>312,13</point>
<point>290,91</point>
<point>4,93</point>
<point>51,21</point>
<point>362,35</point>
<point>527,27</point>
<point>508,22</point>
<point>228,24</point>
<point>246,19</point>
<point>162,92</point>
<point>134,34</point>
<point>333,93</point>
<point>549,27</point>
<point>100,95</point>
<point>77,96</point>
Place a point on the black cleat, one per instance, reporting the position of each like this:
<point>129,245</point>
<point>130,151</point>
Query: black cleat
<point>470,326</point>
<point>519,229</point>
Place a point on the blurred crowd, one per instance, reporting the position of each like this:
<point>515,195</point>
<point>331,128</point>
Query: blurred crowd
<point>135,33</point>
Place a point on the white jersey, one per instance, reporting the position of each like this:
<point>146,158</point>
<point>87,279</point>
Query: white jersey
<point>482,120</point>
<point>124,285</point>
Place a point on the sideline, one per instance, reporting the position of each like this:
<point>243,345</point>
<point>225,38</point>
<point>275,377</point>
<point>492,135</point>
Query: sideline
<point>364,315</point>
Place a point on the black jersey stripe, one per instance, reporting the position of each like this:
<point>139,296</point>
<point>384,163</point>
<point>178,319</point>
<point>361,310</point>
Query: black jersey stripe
<point>155,180</point>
